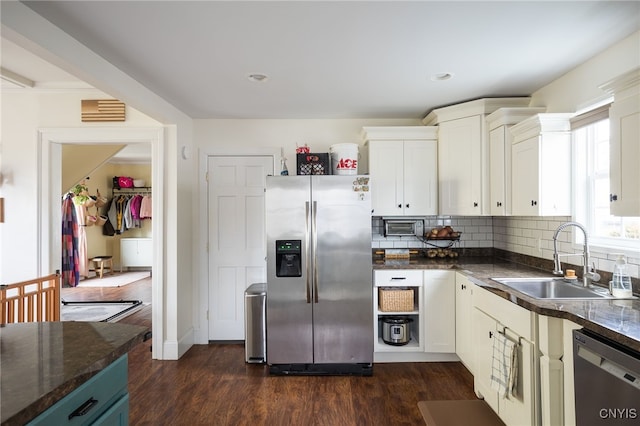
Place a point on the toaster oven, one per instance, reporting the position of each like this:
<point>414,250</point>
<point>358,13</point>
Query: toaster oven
<point>403,227</point>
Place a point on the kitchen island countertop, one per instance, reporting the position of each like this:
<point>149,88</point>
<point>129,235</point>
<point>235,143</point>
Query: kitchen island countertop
<point>616,319</point>
<point>42,362</point>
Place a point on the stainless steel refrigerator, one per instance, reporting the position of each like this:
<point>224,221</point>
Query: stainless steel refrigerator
<point>319,299</point>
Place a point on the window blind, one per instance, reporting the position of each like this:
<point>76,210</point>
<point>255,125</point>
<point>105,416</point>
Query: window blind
<point>597,114</point>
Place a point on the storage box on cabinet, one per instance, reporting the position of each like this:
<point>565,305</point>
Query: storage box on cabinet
<point>396,299</point>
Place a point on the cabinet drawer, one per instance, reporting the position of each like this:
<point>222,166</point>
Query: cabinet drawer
<point>105,388</point>
<point>517,318</point>
<point>401,278</point>
<point>117,415</point>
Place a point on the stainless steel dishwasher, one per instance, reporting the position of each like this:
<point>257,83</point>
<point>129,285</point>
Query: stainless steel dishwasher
<point>607,381</point>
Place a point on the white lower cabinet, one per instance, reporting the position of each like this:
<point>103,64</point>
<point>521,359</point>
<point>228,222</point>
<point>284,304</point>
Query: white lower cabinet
<point>493,314</point>
<point>432,319</point>
<point>464,320</point>
<point>137,252</point>
<point>439,317</point>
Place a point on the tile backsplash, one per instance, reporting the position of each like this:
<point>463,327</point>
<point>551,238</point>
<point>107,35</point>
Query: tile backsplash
<point>476,232</point>
<point>531,236</point>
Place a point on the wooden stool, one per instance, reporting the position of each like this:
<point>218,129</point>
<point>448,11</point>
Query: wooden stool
<point>101,263</point>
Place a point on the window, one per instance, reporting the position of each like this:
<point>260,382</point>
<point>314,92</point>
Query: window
<point>591,189</point>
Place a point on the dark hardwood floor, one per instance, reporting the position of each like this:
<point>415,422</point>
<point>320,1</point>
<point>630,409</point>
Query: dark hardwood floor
<point>212,385</point>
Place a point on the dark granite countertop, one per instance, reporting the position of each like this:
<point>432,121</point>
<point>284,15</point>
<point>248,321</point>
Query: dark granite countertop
<point>616,319</point>
<point>40,363</point>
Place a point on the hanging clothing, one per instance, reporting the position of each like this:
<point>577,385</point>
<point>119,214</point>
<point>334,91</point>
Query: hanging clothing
<point>83,260</point>
<point>121,203</point>
<point>112,214</point>
<point>134,207</point>
<point>70,267</point>
<point>145,207</point>
<point>128,219</point>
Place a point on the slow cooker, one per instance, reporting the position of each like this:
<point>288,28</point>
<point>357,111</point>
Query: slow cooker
<point>396,330</point>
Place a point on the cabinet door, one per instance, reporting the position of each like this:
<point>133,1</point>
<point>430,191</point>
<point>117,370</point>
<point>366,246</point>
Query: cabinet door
<point>519,409</point>
<point>464,291</point>
<point>515,409</point>
<point>500,171</point>
<point>541,175</point>
<point>145,252</point>
<point>420,178</point>
<point>525,177</point>
<point>460,158</point>
<point>439,311</point>
<point>484,328</point>
<point>624,157</point>
<point>386,170</point>
<point>136,252</point>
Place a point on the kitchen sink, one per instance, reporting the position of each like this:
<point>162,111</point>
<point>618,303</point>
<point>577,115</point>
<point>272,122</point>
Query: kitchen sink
<point>553,288</point>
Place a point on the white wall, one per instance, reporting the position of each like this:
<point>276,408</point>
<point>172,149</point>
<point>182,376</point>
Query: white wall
<point>23,112</point>
<point>319,134</point>
<point>578,88</point>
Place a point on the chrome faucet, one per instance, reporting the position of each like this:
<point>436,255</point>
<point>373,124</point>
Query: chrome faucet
<point>588,273</point>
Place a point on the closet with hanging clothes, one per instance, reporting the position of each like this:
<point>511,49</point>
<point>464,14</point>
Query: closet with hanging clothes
<point>129,207</point>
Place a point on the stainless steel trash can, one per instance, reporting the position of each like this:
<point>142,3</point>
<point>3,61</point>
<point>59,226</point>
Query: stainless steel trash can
<point>255,323</point>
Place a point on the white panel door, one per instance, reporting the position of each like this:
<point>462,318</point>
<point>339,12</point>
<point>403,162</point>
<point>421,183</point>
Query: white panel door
<point>237,238</point>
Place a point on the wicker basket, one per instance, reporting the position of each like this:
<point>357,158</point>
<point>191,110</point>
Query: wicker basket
<point>393,299</point>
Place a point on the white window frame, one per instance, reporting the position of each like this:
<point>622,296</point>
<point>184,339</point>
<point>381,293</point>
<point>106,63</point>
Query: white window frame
<point>584,193</point>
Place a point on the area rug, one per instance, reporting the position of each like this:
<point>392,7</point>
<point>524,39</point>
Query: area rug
<point>118,279</point>
<point>106,311</point>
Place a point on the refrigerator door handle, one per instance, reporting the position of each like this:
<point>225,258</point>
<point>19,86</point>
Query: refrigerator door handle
<point>314,239</point>
<point>306,250</point>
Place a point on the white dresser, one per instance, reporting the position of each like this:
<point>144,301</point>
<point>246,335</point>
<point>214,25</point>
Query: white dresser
<point>136,252</point>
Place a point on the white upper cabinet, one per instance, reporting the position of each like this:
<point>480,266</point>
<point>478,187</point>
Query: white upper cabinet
<point>624,148</point>
<point>500,140</point>
<point>463,154</point>
<point>402,164</point>
<point>541,166</point>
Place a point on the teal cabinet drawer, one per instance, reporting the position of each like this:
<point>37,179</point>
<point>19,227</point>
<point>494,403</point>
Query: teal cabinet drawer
<point>117,415</point>
<point>90,400</point>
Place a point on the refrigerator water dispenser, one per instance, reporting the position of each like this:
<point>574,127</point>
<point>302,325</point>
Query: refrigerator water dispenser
<point>288,258</point>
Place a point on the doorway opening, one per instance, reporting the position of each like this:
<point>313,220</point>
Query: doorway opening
<point>50,193</point>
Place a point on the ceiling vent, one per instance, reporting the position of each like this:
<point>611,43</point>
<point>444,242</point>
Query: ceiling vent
<point>103,110</point>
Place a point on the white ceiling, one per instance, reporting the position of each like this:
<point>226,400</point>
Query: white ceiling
<point>331,59</point>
